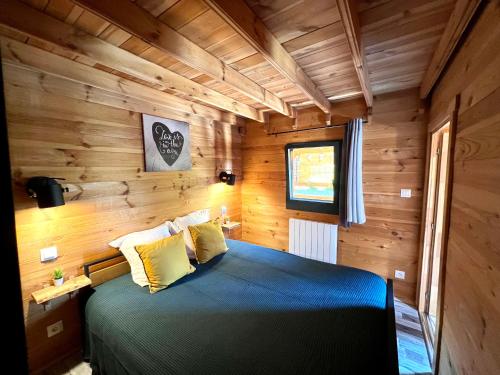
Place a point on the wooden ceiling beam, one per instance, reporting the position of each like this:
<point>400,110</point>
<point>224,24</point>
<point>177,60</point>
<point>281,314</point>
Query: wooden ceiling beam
<point>138,22</point>
<point>32,22</point>
<point>349,17</point>
<point>246,23</point>
<point>20,54</point>
<point>459,19</point>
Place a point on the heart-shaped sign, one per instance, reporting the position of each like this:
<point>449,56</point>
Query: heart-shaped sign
<point>169,144</point>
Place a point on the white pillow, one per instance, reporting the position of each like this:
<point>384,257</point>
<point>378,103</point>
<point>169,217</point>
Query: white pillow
<point>118,242</point>
<point>127,247</point>
<point>182,223</point>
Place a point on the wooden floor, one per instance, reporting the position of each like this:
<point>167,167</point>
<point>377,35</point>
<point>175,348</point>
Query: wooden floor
<point>72,365</point>
<point>412,352</point>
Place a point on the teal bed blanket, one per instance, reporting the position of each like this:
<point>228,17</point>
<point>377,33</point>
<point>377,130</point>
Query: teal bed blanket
<point>252,310</point>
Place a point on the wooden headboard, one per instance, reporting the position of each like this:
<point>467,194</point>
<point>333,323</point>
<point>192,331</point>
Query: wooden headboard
<point>104,269</point>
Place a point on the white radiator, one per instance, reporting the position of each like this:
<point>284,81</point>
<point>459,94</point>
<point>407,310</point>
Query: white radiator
<point>310,239</point>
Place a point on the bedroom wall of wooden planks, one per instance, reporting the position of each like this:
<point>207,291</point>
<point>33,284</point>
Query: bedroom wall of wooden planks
<point>470,341</point>
<point>99,150</point>
<point>394,158</point>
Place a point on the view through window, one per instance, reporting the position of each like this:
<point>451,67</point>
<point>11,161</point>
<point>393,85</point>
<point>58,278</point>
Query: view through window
<point>313,171</point>
<point>312,176</point>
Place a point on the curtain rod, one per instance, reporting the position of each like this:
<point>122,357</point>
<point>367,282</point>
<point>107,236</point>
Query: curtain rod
<point>316,128</point>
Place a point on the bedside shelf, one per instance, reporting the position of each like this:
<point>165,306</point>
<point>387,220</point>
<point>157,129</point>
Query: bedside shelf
<point>231,225</point>
<point>232,230</point>
<point>44,295</point>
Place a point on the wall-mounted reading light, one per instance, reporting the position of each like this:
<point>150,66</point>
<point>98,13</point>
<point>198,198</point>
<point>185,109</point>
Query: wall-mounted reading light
<point>228,177</point>
<point>47,191</point>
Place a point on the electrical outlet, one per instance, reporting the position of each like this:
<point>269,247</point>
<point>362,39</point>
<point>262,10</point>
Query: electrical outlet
<point>405,193</point>
<point>399,274</point>
<point>48,253</point>
<point>55,329</point>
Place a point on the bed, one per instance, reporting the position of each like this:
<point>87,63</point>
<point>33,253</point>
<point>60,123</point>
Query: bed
<point>252,310</point>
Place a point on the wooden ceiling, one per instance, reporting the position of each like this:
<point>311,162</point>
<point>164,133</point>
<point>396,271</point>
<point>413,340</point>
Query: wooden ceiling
<point>313,34</point>
<point>400,38</point>
<point>297,53</point>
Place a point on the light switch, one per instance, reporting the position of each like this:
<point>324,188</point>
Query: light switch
<point>405,193</point>
<point>48,253</point>
<point>399,274</point>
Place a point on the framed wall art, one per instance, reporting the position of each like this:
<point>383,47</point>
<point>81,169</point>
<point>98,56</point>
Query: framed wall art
<point>166,144</point>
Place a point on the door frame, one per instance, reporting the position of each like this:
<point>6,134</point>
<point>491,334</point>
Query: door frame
<point>450,115</point>
<point>435,206</point>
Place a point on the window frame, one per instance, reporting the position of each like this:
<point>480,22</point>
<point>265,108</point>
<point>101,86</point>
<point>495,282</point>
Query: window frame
<point>310,206</point>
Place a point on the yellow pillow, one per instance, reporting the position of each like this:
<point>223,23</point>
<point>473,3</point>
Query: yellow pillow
<point>208,240</point>
<point>165,261</point>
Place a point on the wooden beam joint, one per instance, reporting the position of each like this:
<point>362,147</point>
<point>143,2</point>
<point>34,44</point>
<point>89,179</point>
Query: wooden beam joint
<point>69,39</point>
<point>246,23</point>
<point>349,16</point>
<point>137,21</point>
<point>459,19</point>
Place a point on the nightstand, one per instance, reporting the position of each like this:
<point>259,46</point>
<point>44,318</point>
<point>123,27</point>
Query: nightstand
<point>232,230</point>
<point>45,295</point>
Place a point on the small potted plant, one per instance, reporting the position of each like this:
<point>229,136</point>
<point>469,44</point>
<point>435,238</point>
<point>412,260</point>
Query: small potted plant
<point>58,277</point>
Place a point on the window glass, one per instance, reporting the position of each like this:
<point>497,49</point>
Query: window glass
<point>312,173</point>
<point>313,176</point>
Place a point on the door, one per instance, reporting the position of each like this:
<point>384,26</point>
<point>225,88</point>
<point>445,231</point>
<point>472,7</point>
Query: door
<point>432,266</point>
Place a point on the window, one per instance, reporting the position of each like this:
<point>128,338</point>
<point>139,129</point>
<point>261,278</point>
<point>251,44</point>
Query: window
<point>313,173</point>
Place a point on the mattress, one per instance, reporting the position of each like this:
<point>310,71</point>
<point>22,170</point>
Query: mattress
<point>252,310</point>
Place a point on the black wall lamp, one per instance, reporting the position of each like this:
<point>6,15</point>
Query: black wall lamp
<point>47,191</point>
<point>228,177</point>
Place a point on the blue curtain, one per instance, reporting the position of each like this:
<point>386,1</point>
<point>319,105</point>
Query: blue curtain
<point>352,206</point>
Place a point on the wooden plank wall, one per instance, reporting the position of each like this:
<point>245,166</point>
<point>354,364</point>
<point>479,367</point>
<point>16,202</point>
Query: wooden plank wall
<point>394,158</point>
<point>471,324</point>
<point>99,150</point>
